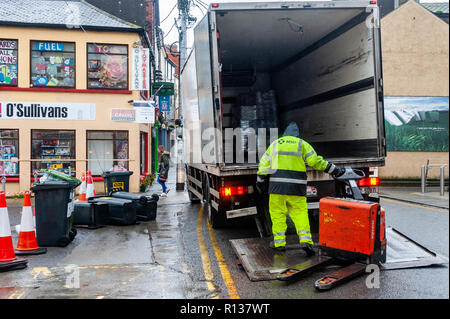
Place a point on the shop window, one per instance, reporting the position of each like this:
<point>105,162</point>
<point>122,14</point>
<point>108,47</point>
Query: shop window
<point>52,64</point>
<point>106,151</point>
<point>53,150</point>
<point>107,66</point>
<point>8,62</point>
<point>9,152</point>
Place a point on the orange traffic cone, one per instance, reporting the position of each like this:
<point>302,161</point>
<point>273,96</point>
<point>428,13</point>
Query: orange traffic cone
<point>8,259</point>
<point>90,192</point>
<point>82,196</point>
<point>27,243</point>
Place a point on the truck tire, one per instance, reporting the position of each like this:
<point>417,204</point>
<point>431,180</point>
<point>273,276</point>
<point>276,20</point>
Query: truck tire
<point>216,219</point>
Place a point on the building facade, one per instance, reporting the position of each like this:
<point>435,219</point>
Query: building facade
<point>415,50</point>
<point>65,94</point>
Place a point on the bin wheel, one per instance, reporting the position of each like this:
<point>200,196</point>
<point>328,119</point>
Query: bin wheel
<point>72,234</point>
<point>63,242</point>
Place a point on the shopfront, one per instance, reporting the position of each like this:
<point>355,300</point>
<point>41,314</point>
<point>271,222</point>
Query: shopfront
<point>58,88</point>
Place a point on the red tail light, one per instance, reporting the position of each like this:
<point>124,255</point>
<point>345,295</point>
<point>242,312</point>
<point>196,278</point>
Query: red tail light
<point>235,190</point>
<point>373,2</point>
<point>369,181</point>
<point>215,5</point>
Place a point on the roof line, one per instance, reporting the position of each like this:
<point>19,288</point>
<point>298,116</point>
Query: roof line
<point>64,26</point>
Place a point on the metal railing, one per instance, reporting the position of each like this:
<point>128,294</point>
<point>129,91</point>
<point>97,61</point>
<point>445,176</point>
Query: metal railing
<point>426,168</point>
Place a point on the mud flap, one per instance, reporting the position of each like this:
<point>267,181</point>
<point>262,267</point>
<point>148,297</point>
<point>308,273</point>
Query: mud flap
<point>403,252</point>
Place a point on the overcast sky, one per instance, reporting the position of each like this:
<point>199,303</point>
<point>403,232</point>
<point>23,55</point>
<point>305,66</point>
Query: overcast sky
<point>167,5</point>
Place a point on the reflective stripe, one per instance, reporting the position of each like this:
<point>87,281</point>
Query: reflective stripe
<point>260,178</point>
<point>310,154</point>
<point>288,154</point>
<point>304,232</point>
<point>331,169</point>
<point>299,151</point>
<point>279,241</point>
<point>279,234</point>
<point>268,156</point>
<point>305,238</point>
<point>288,180</point>
<point>296,154</point>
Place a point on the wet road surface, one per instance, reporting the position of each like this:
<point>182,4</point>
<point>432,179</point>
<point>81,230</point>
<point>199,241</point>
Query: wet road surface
<point>179,256</point>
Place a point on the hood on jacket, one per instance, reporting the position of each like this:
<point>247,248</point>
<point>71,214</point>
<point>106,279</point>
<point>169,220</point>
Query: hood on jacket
<point>292,130</point>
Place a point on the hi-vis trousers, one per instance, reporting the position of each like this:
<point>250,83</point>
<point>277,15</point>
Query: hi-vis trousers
<point>297,208</point>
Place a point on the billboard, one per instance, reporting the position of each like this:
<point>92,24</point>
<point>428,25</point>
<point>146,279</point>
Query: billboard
<point>419,124</point>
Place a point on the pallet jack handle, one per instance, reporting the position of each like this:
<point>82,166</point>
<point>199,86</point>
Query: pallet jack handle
<point>350,178</point>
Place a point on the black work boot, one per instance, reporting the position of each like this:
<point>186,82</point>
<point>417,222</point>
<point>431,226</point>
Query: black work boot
<point>308,249</point>
<point>278,249</point>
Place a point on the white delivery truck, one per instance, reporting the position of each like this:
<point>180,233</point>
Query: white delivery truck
<point>261,65</point>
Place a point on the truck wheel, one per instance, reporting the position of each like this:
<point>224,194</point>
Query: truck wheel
<point>216,219</point>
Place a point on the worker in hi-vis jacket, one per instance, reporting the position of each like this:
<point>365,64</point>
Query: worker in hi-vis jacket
<point>284,166</point>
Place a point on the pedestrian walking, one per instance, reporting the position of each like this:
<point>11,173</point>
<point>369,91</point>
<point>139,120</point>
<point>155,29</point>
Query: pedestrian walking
<point>163,170</point>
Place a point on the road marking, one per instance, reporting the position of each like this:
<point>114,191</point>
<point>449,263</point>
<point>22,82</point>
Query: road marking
<point>16,294</point>
<point>232,291</point>
<point>42,270</point>
<point>209,276</point>
<point>415,205</point>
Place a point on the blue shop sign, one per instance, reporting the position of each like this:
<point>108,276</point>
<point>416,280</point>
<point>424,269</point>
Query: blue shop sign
<point>164,103</point>
<point>49,46</point>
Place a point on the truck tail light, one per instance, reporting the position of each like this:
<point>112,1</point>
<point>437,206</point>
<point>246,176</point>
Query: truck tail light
<point>215,5</point>
<point>369,181</point>
<point>373,2</point>
<point>235,190</point>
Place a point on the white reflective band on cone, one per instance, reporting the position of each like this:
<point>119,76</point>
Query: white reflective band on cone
<point>26,222</point>
<point>5,227</point>
<point>90,190</point>
<point>83,188</point>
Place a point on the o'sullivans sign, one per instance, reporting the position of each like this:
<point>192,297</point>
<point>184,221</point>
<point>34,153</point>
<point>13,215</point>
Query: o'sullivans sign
<point>47,111</point>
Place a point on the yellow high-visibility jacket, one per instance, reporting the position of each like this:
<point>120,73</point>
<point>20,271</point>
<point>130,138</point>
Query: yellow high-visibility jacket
<point>285,163</point>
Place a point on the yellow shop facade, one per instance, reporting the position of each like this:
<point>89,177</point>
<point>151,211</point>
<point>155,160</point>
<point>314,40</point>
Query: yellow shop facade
<point>65,99</point>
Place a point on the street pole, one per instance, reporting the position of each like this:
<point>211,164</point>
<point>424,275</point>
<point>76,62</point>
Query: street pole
<point>183,7</point>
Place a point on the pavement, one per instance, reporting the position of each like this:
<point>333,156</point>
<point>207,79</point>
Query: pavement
<point>414,195</point>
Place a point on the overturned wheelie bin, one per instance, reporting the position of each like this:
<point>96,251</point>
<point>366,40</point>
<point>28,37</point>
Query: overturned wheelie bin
<point>120,211</point>
<point>146,207</point>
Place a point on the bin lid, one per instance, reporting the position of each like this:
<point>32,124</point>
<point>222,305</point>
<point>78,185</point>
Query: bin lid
<point>124,173</point>
<point>53,185</point>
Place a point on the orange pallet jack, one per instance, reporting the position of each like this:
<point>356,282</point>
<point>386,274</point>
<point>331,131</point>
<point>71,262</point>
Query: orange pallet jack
<point>352,234</point>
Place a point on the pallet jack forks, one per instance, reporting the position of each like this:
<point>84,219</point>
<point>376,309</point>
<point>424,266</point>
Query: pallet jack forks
<point>351,267</point>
